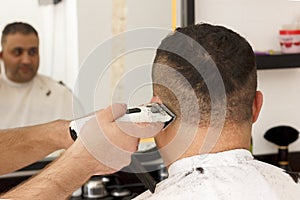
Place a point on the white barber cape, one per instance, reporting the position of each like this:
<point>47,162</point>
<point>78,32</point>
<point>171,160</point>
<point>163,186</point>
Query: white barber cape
<point>230,175</point>
<point>38,101</point>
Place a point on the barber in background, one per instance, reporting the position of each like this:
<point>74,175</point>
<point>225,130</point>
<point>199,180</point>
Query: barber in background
<point>26,97</point>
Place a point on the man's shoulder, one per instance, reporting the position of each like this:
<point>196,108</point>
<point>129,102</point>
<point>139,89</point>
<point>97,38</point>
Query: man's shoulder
<point>50,82</point>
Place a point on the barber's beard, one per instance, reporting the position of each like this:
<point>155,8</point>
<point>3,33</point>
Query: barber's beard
<point>25,73</point>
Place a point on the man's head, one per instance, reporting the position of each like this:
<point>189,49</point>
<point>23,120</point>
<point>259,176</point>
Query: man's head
<point>20,51</point>
<point>223,48</point>
<point>217,70</point>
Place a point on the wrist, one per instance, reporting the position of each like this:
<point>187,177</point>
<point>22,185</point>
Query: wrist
<point>79,152</point>
<point>64,139</point>
<point>85,162</point>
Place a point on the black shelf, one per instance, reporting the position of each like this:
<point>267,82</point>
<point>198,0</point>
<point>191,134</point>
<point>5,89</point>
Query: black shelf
<point>277,61</point>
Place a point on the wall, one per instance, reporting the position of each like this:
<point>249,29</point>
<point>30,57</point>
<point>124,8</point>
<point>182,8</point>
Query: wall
<point>95,31</point>
<point>19,10</point>
<point>259,22</point>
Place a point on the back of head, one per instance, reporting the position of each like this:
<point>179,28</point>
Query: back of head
<point>17,27</point>
<point>192,53</point>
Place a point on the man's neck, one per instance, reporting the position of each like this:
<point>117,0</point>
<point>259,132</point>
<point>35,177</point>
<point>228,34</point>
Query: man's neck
<point>208,140</point>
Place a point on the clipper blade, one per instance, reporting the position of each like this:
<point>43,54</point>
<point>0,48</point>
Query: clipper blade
<point>168,112</point>
<point>153,112</point>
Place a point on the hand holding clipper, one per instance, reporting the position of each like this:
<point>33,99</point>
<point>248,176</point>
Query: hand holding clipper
<point>156,116</point>
<point>150,113</point>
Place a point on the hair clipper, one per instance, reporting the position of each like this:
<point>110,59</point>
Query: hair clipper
<point>153,112</point>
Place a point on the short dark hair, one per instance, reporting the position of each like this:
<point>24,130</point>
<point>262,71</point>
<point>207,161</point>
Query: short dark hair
<point>231,54</point>
<point>17,27</point>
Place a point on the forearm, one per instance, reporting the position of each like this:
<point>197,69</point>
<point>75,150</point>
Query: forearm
<point>61,178</point>
<point>22,146</point>
<point>101,148</point>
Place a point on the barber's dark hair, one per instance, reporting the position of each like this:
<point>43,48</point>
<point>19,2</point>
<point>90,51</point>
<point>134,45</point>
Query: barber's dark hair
<point>17,27</point>
<point>235,62</point>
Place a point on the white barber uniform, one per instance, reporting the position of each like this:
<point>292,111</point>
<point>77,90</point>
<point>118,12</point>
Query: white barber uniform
<point>228,175</point>
<point>38,101</point>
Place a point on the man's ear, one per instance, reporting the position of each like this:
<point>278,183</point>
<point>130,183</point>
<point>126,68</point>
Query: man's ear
<point>155,99</point>
<point>256,106</point>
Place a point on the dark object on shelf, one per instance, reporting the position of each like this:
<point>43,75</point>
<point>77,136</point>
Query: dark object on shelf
<point>277,61</point>
<point>294,158</point>
<point>188,12</point>
<point>282,136</point>
<point>49,2</point>
<point>95,188</point>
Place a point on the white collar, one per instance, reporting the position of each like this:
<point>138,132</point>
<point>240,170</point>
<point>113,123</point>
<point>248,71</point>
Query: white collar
<point>209,160</point>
